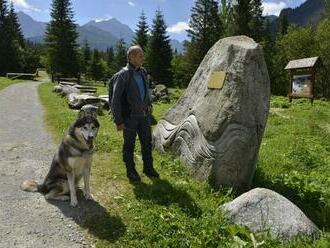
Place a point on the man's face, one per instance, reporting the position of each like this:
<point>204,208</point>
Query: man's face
<point>137,58</point>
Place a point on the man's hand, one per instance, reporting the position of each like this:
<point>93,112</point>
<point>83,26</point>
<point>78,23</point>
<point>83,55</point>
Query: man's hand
<point>120,127</point>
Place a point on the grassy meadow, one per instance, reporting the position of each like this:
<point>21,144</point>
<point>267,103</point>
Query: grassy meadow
<point>5,82</point>
<point>179,211</point>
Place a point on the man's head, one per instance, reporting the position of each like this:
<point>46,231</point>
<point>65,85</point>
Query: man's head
<point>135,56</point>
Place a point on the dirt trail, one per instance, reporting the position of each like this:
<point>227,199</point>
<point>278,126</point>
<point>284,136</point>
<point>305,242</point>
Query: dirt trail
<point>26,150</point>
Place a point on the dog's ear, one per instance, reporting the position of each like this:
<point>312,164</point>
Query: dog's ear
<point>96,122</point>
<point>80,122</point>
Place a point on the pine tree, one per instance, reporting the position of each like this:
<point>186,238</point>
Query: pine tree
<point>86,57</point>
<point>9,48</point>
<point>4,37</point>
<point>96,69</point>
<point>31,57</point>
<point>120,58</point>
<point>322,38</point>
<point>256,23</point>
<point>179,71</point>
<point>226,17</point>
<point>242,16</point>
<point>60,39</point>
<point>15,26</point>
<point>141,37</point>
<point>282,24</point>
<point>159,51</point>
<point>110,55</point>
<point>326,11</point>
<point>205,29</point>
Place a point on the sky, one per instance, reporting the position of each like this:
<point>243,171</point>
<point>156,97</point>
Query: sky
<point>176,12</point>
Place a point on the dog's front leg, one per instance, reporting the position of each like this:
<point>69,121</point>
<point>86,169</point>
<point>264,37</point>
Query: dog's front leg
<point>87,173</point>
<point>72,187</point>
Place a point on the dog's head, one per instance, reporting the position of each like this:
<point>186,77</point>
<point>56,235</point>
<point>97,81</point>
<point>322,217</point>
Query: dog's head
<point>86,129</point>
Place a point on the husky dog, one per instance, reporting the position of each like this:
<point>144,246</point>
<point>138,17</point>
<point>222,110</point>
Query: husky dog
<point>71,162</point>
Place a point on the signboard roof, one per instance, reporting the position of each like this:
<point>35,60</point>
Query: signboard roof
<point>302,63</point>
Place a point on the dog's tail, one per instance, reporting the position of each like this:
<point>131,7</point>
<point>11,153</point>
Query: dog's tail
<point>31,186</point>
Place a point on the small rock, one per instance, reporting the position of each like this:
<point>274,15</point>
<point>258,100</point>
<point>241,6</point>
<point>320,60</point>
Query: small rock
<point>265,210</point>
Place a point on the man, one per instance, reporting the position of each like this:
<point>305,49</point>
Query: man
<point>131,108</point>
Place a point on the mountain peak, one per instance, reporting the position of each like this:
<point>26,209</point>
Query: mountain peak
<point>308,12</point>
<point>114,26</point>
<point>100,34</point>
<point>22,15</point>
<point>30,27</point>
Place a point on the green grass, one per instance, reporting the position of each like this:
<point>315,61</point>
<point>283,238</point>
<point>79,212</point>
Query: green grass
<point>5,82</point>
<point>179,211</point>
<point>295,156</point>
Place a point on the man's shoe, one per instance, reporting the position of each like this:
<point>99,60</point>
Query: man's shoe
<point>133,176</point>
<point>151,172</point>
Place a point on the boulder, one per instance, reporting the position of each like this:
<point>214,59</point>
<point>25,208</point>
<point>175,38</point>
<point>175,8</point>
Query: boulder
<point>66,83</point>
<point>67,90</point>
<point>57,89</point>
<point>164,98</point>
<point>160,93</point>
<point>76,101</point>
<point>217,132</point>
<point>161,89</point>
<point>105,100</point>
<point>264,210</point>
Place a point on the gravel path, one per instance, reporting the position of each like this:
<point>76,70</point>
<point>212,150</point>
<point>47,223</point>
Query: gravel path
<point>26,150</point>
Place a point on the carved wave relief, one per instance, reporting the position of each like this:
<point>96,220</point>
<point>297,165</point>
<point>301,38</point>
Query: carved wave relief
<point>186,139</point>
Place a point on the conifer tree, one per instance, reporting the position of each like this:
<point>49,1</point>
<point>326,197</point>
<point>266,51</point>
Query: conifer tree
<point>4,37</point>
<point>256,23</point>
<point>86,57</point>
<point>205,30</point>
<point>226,17</point>
<point>159,51</point>
<point>242,14</point>
<point>61,42</point>
<point>110,55</point>
<point>14,26</point>
<point>326,11</point>
<point>9,48</point>
<point>282,24</point>
<point>141,37</point>
<point>120,58</point>
<point>97,67</point>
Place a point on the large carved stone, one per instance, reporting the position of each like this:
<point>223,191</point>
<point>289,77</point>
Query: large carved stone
<point>217,132</point>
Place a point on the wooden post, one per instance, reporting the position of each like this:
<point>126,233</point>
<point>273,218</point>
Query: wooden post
<point>290,86</point>
<point>313,84</point>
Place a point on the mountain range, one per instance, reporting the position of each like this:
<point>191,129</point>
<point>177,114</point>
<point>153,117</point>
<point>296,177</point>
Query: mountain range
<point>100,35</point>
<point>309,12</point>
<point>105,34</point>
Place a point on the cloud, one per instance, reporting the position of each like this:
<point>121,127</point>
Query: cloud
<point>24,5</point>
<point>178,28</point>
<point>271,8</point>
<point>131,3</point>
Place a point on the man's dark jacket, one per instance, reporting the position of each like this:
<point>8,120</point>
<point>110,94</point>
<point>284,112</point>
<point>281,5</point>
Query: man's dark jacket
<point>126,101</point>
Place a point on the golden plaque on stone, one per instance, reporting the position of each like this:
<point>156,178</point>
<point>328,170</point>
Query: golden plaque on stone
<point>216,80</point>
